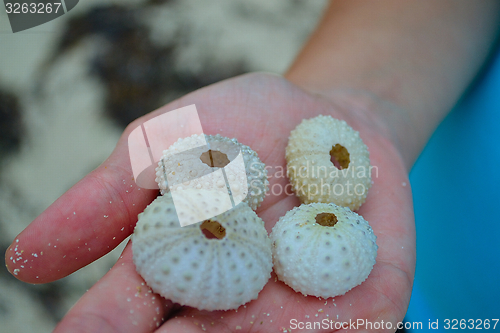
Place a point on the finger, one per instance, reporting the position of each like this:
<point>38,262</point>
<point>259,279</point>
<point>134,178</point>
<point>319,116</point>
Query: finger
<point>265,314</point>
<point>85,223</point>
<point>119,302</point>
<point>280,309</point>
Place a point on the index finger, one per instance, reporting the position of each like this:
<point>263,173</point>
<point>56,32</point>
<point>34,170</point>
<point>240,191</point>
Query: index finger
<point>85,223</point>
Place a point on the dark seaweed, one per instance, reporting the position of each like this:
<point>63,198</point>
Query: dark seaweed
<point>139,76</point>
<point>11,124</point>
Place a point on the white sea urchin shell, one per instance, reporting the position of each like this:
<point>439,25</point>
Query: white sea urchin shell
<point>323,249</point>
<point>184,167</point>
<point>183,265</point>
<point>314,177</point>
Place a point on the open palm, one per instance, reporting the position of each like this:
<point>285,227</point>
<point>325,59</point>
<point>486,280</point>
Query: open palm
<point>260,110</point>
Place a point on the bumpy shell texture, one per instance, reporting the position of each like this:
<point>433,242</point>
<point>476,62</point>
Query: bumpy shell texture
<point>319,260</point>
<point>181,165</point>
<point>183,265</point>
<point>312,174</point>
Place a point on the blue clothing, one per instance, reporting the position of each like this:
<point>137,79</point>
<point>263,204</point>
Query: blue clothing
<point>456,185</point>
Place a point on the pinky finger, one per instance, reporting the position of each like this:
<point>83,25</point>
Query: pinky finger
<point>119,302</point>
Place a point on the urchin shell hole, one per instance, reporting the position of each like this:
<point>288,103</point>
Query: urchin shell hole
<point>339,156</point>
<point>212,229</point>
<point>214,158</point>
<point>326,219</point>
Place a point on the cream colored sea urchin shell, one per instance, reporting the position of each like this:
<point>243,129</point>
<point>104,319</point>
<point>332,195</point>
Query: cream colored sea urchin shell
<point>323,249</point>
<point>182,264</point>
<point>312,146</point>
<point>199,168</point>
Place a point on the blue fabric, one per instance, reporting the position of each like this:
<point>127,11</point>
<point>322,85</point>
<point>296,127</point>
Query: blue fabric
<point>456,184</point>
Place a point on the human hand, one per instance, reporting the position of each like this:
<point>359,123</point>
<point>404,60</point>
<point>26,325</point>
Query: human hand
<point>260,110</point>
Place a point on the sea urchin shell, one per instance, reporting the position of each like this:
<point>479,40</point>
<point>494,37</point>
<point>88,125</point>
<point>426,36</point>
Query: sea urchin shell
<point>219,264</point>
<point>199,168</point>
<point>323,249</point>
<point>314,176</point>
